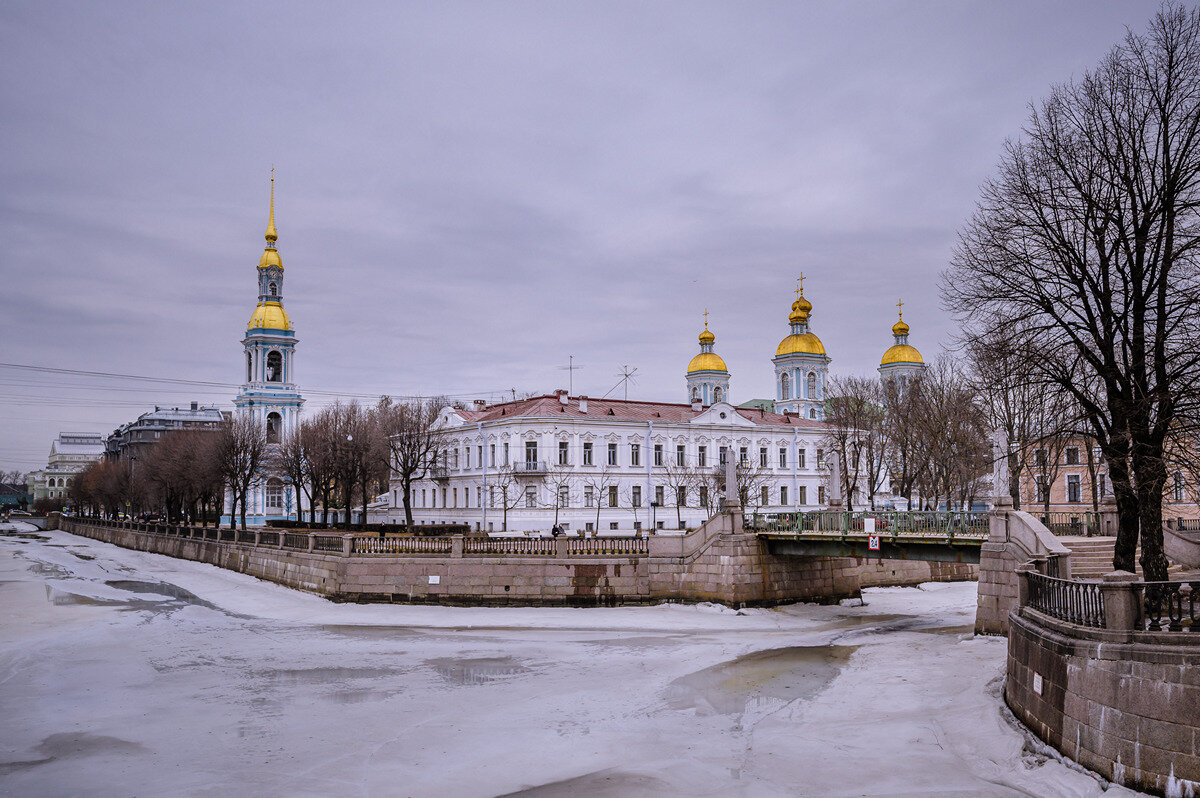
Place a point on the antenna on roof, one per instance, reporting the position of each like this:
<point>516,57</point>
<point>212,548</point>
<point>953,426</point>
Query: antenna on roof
<point>570,368</point>
<point>626,375</point>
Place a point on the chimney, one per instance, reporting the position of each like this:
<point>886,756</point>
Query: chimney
<point>195,405</point>
<point>583,404</point>
<point>562,396</point>
<point>696,406</point>
<point>480,404</point>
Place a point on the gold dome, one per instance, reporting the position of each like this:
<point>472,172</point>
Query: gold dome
<point>901,353</point>
<point>706,361</point>
<point>806,344</point>
<point>900,328</point>
<point>269,316</point>
<point>270,257</point>
<point>706,337</point>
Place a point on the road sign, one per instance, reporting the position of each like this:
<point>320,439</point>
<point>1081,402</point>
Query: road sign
<point>873,542</point>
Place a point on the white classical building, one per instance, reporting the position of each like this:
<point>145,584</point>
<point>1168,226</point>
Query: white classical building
<point>70,453</point>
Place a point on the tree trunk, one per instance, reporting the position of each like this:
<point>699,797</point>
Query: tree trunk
<point>1151,479</point>
<point>1125,548</point>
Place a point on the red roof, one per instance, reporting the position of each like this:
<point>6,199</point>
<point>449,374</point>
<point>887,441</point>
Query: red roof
<point>623,410</point>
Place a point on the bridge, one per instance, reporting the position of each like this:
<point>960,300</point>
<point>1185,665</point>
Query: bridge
<point>931,536</point>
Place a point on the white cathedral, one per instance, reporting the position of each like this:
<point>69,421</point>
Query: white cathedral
<point>610,466</point>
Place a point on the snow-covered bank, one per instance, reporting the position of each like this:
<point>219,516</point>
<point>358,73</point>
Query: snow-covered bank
<point>173,677</point>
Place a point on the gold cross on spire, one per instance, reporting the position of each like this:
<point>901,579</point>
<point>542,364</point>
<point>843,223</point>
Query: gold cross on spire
<point>900,305</point>
<point>272,234</point>
<point>800,285</point>
<point>706,318</point>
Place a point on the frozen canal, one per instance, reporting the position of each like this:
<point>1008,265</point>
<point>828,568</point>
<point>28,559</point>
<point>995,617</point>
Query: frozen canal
<point>125,673</point>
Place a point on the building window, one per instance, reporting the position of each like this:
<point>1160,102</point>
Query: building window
<point>562,453</point>
<point>589,527</point>
<point>1043,490</point>
<point>612,525</point>
<point>478,496</point>
<point>658,454</point>
<point>635,454</point>
<point>704,496</point>
<point>821,495</point>
<point>802,494</point>
<point>783,495</point>
<point>531,497</point>
<point>1039,457</point>
<point>1178,486</point>
<point>785,386</point>
<point>702,457</point>
<point>467,458</point>
<point>479,455</point>
<point>454,459</point>
<point>800,455</point>
<point>274,366</point>
<point>612,454</point>
<point>812,413</point>
<point>635,496</point>
<point>812,385</point>
<point>1073,492</point>
<point>454,498</point>
<point>274,421</point>
<point>492,454</point>
<point>564,496</point>
<point>1072,455</point>
<point>506,453</point>
<point>783,458</point>
<point>612,495</point>
<point>722,455</point>
<point>658,495</point>
<point>743,456</point>
<point>717,395</point>
<point>274,494</point>
<point>587,454</point>
<point>249,368</point>
<point>637,526</point>
<point>531,453</point>
<point>589,496</point>
<point>821,460</point>
<point>766,496</point>
<point>1102,488</point>
<point>681,496</point>
<point>680,456</point>
<point>491,495</point>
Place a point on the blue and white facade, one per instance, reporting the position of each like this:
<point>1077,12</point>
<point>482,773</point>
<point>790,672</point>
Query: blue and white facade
<point>269,394</point>
<point>801,367</point>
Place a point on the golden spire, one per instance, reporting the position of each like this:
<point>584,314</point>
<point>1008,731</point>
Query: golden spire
<point>272,233</point>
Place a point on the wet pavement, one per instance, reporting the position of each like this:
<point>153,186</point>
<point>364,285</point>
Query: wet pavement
<point>127,673</point>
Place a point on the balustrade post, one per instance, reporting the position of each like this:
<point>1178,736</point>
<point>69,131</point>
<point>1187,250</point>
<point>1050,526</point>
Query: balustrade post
<point>1040,563</point>
<point>312,541</point>
<point>257,537</point>
<point>347,545</point>
<point>560,546</point>
<point>1108,517</point>
<point>281,538</point>
<point>456,545</point>
<point>1122,605</point>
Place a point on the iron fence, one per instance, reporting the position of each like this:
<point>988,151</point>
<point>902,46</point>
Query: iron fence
<point>1170,606</point>
<point>1080,603</point>
<point>940,524</point>
<point>1070,523</point>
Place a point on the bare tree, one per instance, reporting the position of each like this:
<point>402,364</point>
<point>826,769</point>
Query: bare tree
<point>240,455</point>
<point>1086,241</point>
<point>601,481</point>
<point>414,446</point>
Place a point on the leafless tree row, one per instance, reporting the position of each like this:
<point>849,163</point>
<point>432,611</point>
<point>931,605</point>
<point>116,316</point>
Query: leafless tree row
<point>1081,260</point>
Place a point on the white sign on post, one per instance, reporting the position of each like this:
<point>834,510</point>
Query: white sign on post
<point>869,525</point>
<point>873,542</point>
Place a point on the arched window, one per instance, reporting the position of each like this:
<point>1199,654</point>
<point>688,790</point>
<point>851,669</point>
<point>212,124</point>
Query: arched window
<point>274,421</point>
<point>274,495</point>
<point>785,387</point>
<point>249,368</point>
<point>272,289</point>
<point>812,385</point>
<point>695,394</point>
<point>812,413</point>
<point>717,395</point>
<point>274,367</point>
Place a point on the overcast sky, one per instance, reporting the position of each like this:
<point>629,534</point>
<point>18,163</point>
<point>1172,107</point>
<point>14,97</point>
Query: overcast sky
<point>468,193</point>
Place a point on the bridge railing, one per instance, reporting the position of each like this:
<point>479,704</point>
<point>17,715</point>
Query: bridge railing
<point>915,525</point>
<point>1070,523</point>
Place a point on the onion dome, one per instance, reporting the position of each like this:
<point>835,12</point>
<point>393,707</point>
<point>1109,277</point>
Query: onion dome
<point>901,352</point>
<point>269,316</point>
<point>801,341</point>
<point>707,360</point>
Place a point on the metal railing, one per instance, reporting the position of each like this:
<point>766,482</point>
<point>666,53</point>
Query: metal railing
<point>1070,523</point>
<point>1080,603</point>
<point>895,525</point>
<point>294,540</point>
<point>327,543</point>
<point>245,536</point>
<point>1170,606</point>
<point>268,538</point>
<point>1187,524</point>
<point>530,468</point>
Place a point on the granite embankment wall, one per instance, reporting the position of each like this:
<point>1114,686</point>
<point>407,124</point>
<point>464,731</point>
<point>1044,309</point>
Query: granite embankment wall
<point>716,563</point>
<point>890,573</point>
<point>1121,700</point>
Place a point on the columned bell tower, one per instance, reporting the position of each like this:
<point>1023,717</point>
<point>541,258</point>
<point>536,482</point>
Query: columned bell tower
<point>269,395</point>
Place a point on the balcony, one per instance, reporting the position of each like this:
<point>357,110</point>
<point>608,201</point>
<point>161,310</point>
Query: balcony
<point>439,473</point>
<point>531,468</point>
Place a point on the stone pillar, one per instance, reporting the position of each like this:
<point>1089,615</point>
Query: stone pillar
<point>257,536</point>
<point>347,545</point>
<point>456,545</point>
<point>1023,572</point>
<point>1108,516</point>
<point>1122,609</point>
<point>312,541</point>
<point>560,546</point>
